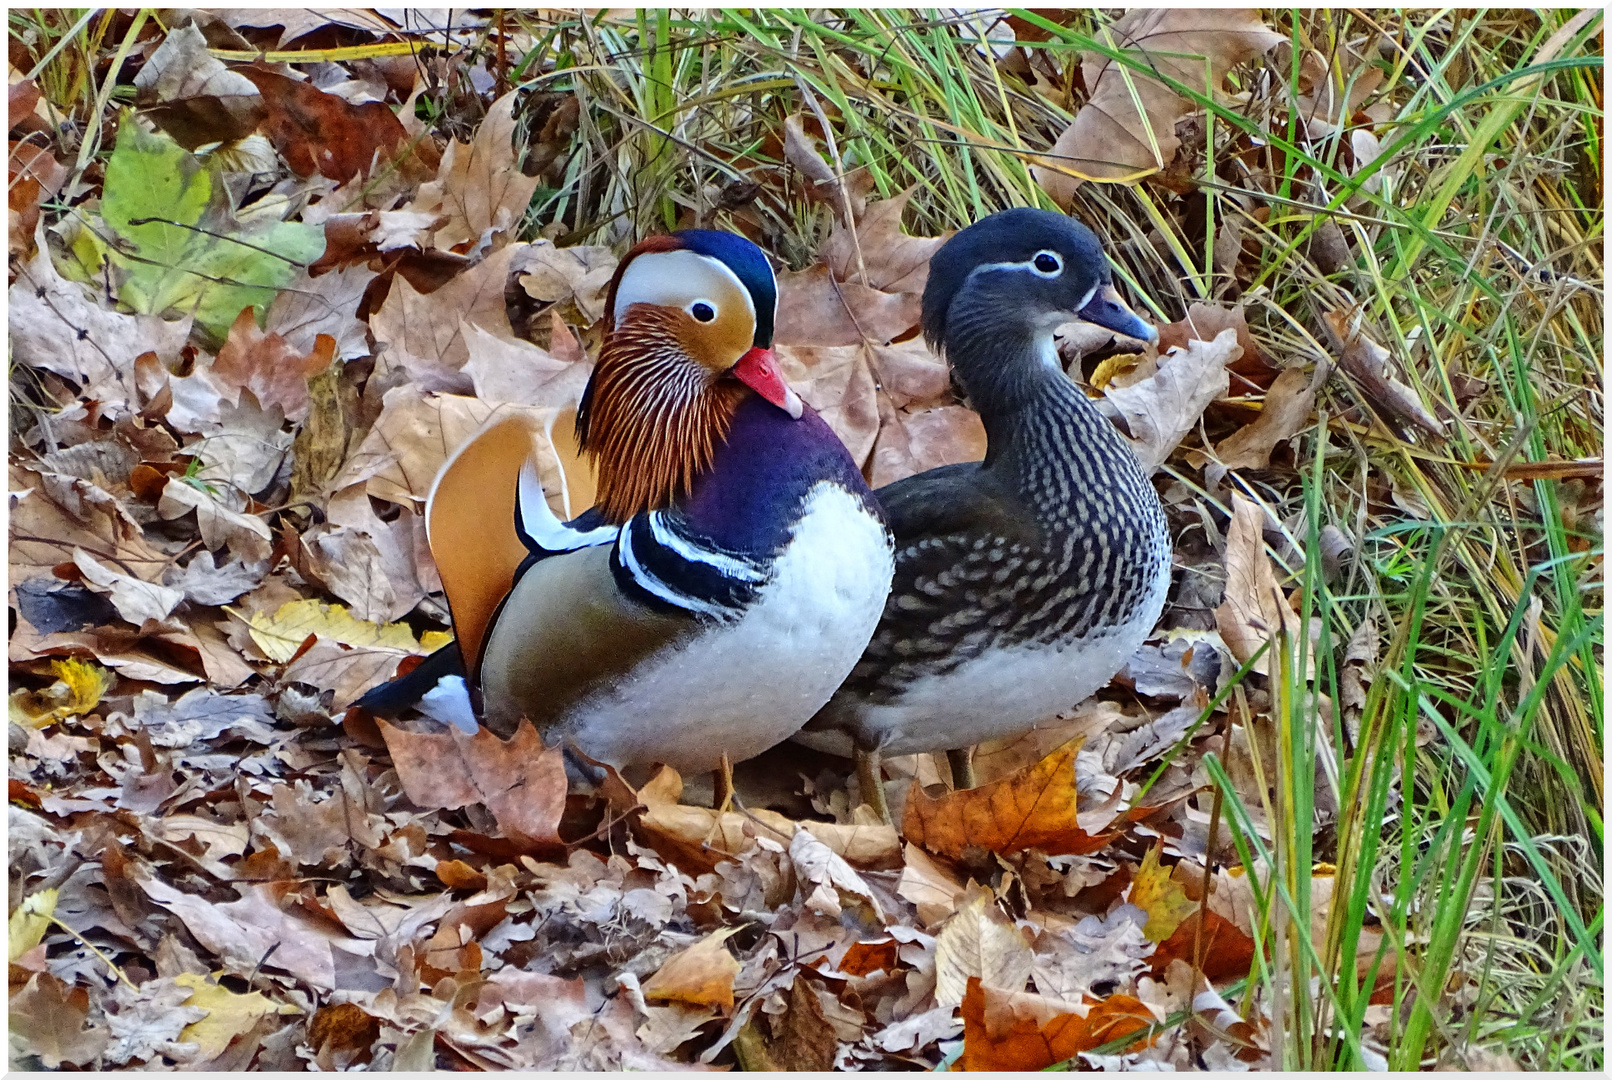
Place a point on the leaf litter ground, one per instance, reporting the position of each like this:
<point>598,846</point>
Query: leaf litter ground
<point>235,396</point>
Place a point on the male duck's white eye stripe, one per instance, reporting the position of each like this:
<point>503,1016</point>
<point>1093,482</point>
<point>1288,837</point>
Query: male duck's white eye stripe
<point>540,531</point>
<point>676,279</point>
<point>726,565</point>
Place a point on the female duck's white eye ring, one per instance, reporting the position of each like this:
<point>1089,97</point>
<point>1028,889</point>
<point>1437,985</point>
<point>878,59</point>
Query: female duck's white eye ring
<point>1047,264</point>
<point>703,310</point>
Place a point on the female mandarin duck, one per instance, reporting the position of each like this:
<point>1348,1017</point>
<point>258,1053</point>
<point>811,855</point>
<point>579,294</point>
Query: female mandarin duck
<point>730,572</point>
<point>1023,582</point>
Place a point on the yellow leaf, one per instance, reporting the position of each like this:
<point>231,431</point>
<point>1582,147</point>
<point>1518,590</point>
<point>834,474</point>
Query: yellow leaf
<point>27,925</point>
<point>701,974</point>
<point>432,640</point>
<point>228,1014</point>
<point>1161,896</point>
<point>78,688</point>
<point>280,635</point>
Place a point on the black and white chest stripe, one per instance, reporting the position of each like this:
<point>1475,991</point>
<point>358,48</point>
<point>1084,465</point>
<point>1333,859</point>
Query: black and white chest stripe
<point>657,560</point>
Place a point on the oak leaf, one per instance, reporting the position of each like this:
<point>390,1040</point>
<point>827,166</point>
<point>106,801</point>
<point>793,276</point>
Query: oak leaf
<point>1127,129</point>
<point>701,974</point>
<point>228,1014</point>
<point>1161,896</point>
<point>1161,410</point>
<point>1254,607</point>
<point>1035,807</point>
<point>478,185</point>
<point>1018,1032</point>
<point>521,782</point>
<point>894,261</point>
<point>979,942</point>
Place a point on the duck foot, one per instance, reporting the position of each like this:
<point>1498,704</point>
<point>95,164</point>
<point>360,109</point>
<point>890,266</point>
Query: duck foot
<point>870,774</point>
<point>962,763</point>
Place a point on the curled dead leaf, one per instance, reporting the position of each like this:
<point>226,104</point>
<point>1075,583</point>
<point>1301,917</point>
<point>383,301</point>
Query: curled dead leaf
<point>1254,608</point>
<point>1014,1032</point>
<point>701,974</point>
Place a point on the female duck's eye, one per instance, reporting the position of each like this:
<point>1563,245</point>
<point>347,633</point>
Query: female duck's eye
<point>1047,263</point>
<point>702,311</point>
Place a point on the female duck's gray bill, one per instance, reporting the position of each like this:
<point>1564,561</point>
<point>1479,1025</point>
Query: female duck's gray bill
<point>1107,310</point>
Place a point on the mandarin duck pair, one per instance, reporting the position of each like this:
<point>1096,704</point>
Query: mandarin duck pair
<point>736,583</point>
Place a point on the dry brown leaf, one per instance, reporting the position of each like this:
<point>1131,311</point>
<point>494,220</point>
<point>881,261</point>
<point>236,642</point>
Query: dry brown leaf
<point>416,432</point>
<point>832,887</point>
<point>979,942</point>
<point>478,186</point>
<point>246,535</point>
<point>1254,608</point>
<point>915,442</point>
<point>505,368</point>
<point>838,383</point>
<point>814,309</point>
<point>572,278</point>
<point>423,333</point>
<point>309,307</point>
<point>51,1020</point>
<point>1033,808</point>
<point>270,366</point>
<point>1003,757</point>
<point>521,782</point>
<point>55,326</point>
<point>1333,95</point>
<point>1127,129</point>
<point>44,535</point>
<point>1366,362</point>
<point>1018,1032</point>
<point>932,888</point>
<point>135,600</point>
<point>895,262</point>
<point>700,975</point>
<point>1286,410</point>
<point>1161,410</point>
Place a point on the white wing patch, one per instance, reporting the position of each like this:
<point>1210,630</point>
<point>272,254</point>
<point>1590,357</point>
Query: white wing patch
<point>540,528</point>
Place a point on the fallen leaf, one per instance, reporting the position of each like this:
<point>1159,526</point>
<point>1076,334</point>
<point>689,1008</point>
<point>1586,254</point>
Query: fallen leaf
<point>978,943</point>
<point>1161,896</point>
<point>894,261</point>
<point>228,1014</point>
<point>933,889</point>
<point>54,325</point>
<point>700,975</point>
<point>572,278</point>
<point>200,715</point>
<point>915,442</point>
<point>27,925</point>
<point>1254,607</point>
<point>478,186</point>
<point>78,689</point>
<point>246,535</point>
<point>269,366</point>
<point>815,309</point>
<point>134,599</point>
<point>837,382</point>
<point>1017,1032</point>
<point>1228,953</point>
<point>836,887</point>
<point>1366,362</point>
<point>1285,411</point>
<point>1073,957</point>
<point>1161,410</point>
<point>322,133</point>
<point>280,635</point>
<point>1127,128</point>
<point>423,333</point>
<point>51,1019</point>
<point>507,369</point>
<point>521,782</point>
<point>1033,808</point>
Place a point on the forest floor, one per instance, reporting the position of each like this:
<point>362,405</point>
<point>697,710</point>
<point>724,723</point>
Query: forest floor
<point>1342,810</point>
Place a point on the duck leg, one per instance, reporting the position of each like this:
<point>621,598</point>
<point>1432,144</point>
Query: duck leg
<point>962,763</point>
<point>870,774</point>
<point>722,786</point>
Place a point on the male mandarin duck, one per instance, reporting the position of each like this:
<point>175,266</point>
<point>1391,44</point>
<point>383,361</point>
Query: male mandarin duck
<point>729,574</point>
<point>1025,581</point>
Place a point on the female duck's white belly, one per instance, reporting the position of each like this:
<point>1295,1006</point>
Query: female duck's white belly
<point>749,684</point>
<point>999,694</point>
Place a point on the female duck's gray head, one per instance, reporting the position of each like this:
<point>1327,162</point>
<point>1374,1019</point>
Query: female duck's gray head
<point>1021,273</point>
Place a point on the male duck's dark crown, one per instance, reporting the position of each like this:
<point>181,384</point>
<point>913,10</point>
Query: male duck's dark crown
<point>1005,246</point>
<point>748,264</point>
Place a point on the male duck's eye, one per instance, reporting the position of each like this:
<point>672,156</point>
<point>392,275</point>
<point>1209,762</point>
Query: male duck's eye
<point>1047,264</point>
<point>702,311</point>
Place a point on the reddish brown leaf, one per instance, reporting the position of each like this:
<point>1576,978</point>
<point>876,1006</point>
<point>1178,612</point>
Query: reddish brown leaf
<point>1033,808</point>
<point>269,366</point>
<point>866,957</point>
<point>321,133</point>
<point>1017,1032</point>
<point>521,782</point>
<point>701,974</point>
<point>1227,951</point>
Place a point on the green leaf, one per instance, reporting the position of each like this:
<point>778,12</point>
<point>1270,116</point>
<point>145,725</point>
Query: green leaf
<point>178,246</point>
